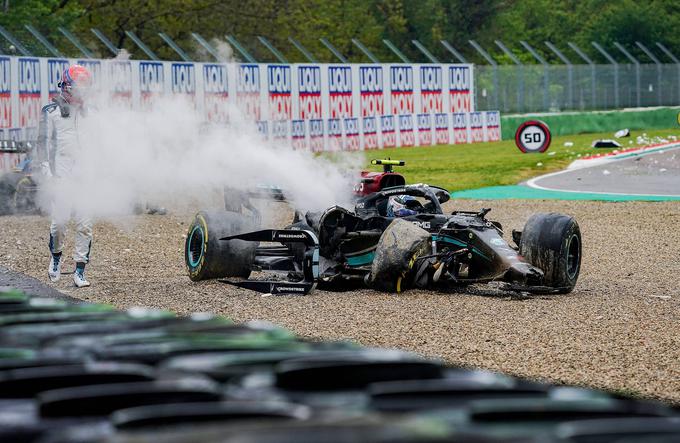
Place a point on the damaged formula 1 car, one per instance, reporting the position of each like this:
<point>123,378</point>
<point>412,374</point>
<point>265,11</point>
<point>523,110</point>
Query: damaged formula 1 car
<point>371,247</point>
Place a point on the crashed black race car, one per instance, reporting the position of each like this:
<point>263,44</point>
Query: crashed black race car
<point>339,249</point>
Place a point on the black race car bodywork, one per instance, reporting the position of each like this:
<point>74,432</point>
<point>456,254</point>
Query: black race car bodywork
<point>340,249</point>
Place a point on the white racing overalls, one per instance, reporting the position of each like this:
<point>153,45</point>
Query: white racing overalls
<point>58,142</point>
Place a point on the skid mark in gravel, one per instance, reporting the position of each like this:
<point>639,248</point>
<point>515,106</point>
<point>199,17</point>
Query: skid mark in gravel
<point>620,328</point>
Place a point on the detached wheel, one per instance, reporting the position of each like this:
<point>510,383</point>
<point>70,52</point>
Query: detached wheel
<point>552,243</point>
<point>6,197</point>
<point>206,256</point>
<point>395,256</point>
<point>24,196</point>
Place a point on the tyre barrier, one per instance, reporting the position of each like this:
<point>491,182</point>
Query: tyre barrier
<point>79,372</point>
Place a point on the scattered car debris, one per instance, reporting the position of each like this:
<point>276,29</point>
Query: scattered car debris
<point>622,133</point>
<point>606,143</point>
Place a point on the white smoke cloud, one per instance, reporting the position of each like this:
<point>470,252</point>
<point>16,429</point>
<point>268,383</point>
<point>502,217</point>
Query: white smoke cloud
<point>169,156</point>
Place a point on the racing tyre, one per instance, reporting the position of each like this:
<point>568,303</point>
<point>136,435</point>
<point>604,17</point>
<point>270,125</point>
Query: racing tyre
<point>395,256</point>
<point>6,197</point>
<point>206,256</point>
<point>552,243</point>
<point>24,196</point>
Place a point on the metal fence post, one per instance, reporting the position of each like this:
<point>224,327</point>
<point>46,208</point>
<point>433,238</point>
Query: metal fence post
<point>243,51</point>
<point>175,47</point>
<point>637,68</point>
<point>672,56</point>
<point>494,67</point>
<point>72,38</point>
<point>424,50</point>
<point>520,77</point>
<point>10,38</point>
<point>367,52</point>
<point>140,44</point>
<point>546,73</point>
<point>396,51</point>
<point>616,71</point>
<point>570,73</point>
<point>453,51</point>
<point>207,46</point>
<point>333,50</point>
<point>102,38</point>
<point>658,70</point>
<point>308,55</point>
<point>41,38</point>
<point>593,72</point>
<point>267,44</point>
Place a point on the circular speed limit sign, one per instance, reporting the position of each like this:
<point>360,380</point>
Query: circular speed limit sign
<point>533,136</point>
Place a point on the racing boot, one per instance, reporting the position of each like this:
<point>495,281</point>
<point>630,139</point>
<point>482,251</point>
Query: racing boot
<point>79,276</point>
<point>54,271</point>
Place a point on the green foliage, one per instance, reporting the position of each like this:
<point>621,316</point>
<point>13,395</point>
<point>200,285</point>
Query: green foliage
<point>471,166</point>
<point>370,21</point>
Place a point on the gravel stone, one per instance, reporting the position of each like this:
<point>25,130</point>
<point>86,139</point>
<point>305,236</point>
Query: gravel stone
<point>619,330</point>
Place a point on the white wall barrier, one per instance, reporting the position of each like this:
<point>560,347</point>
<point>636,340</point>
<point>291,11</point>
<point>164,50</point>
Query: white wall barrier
<point>310,106</point>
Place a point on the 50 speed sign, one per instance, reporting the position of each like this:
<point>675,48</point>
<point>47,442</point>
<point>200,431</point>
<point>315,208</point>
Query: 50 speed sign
<point>533,136</point>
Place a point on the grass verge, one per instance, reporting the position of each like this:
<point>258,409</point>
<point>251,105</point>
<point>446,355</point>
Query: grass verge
<point>471,166</point>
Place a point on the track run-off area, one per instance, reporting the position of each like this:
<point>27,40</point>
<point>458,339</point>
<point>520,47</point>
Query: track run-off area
<point>618,330</point>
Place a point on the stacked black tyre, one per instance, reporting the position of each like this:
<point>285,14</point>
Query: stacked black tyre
<point>78,372</point>
<point>208,257</point>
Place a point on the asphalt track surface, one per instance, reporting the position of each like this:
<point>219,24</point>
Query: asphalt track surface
<point>655,174</point>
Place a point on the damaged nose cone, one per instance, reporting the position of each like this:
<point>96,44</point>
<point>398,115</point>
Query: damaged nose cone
<point>524,274</point>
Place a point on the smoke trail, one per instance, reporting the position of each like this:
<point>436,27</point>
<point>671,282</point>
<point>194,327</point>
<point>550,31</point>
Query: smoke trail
<point>167,154</point>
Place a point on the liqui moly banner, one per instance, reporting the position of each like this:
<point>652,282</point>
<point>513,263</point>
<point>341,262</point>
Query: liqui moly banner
<point>460,89</point>
<point>5,92</point>
<point>371,91</point>
<point>316,135</point>
<point>424,129</point>
<point>55,71</point>
<point>370,132</point>
<point>476,127</point>
<point>309,92</point>
<point>431,84</point>
<point>298,134</point>
<point>334,134</point>
<point>311,106</point>
<point>151,82</point>
<point>388,131</point>
<point>340,91</point>
<point>279,86</point>
<point>215,92</point>
<point>492,126</point>
<point>30,87</point>
<point>183,79</point>
<point>248,90</point>
<point>406,135</point>
<point>120,81</point>
<point>441,129</point>
<point>263,129</point>
<point>352,142</point>
<point>280,130</point>
<point>401,89</point>
<point>461,122</point>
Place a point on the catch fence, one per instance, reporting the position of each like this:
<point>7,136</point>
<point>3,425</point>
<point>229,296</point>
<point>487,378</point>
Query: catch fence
<point>555,88</point>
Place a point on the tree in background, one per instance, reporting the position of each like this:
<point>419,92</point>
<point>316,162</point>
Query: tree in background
<point>370,21</point>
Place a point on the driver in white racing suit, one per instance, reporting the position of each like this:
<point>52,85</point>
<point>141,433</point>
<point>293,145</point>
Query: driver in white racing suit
<point>58,142</point>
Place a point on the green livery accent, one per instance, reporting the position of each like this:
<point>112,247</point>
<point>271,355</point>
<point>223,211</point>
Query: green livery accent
<point>459,243</point>
<point>360,260</point>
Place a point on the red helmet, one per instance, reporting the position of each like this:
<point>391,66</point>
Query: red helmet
<point>75,78</point>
